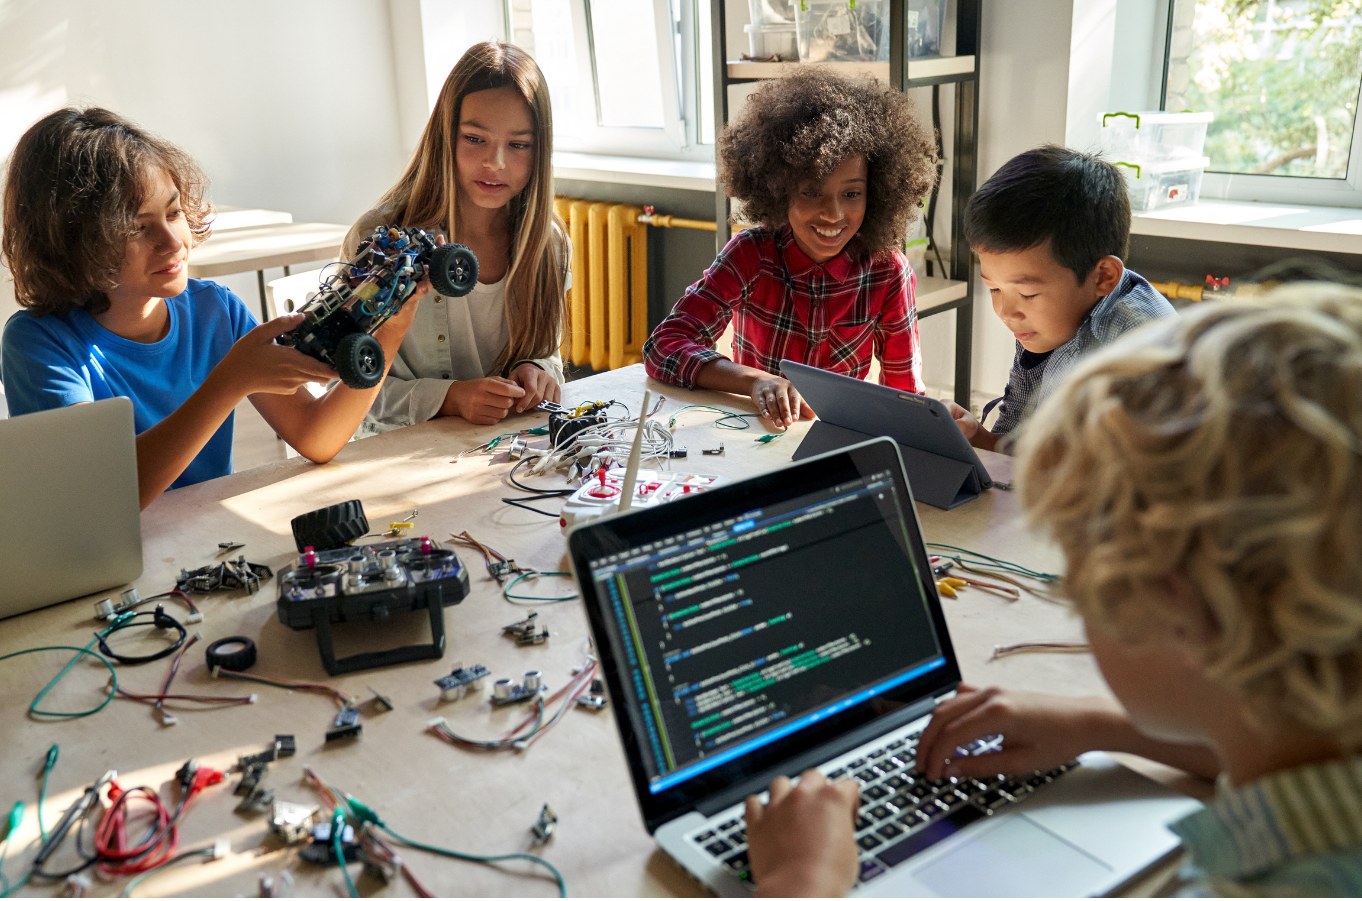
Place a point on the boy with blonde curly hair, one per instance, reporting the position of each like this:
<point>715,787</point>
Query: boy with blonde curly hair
<point>1203,477</point>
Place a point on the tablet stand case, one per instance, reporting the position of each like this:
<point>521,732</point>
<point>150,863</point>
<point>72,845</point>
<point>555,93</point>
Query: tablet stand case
<point>936,480</point>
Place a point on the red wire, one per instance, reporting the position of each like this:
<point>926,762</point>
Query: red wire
<point>111,836</point>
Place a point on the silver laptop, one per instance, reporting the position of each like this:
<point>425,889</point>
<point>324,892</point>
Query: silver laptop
<point>791,621</point>
<point>71,524</point>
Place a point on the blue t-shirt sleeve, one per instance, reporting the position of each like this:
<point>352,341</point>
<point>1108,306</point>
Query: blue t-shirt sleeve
<point>39,371</point>
<point>238,314</point>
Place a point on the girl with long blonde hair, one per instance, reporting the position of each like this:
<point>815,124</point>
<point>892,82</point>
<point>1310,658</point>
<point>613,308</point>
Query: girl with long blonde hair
<point>482,175</point>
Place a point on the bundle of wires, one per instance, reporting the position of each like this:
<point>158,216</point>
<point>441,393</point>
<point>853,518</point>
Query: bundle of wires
<point>600,446</point>
<point>533,726</point>
<point>996,568</point>
<point>158,845</point>
<point>314,687</point>
<point>210,851</point>
<point>370,821</point>
<point>173,593</point>
<point>500,567</point>
<point>158,700</point>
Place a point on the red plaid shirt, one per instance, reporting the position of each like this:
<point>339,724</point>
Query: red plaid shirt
<point>786,307</point>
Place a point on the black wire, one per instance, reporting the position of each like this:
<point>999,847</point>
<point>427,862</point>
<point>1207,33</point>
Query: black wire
<point>89,859</point>
<point>160,620</point>
<point>936,185</point>
<point>524,506</point>
<point>540,492</point>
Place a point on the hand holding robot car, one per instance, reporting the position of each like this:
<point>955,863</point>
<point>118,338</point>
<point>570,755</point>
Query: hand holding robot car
<point>368,290</point>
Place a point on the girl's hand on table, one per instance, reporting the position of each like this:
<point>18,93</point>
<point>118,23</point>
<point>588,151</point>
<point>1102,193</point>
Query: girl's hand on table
<point>482,401</point>
<point>779,402</point>
<point>802,841</point>
<point>539,386</point>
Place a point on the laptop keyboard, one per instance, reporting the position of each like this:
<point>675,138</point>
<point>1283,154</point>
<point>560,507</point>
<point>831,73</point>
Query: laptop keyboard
<point>901,812</point>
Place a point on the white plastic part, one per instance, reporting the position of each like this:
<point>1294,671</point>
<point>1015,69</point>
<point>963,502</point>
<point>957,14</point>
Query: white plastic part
<point>254,698</point>
<point>438,721</point>
<point>194,618</point>
<point>221,848</point>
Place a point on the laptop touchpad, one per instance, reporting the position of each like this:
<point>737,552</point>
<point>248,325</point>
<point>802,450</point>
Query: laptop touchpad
<point>1017,858</point>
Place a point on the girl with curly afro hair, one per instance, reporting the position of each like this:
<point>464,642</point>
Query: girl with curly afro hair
<point>832,171</point>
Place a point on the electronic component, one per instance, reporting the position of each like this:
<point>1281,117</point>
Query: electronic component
<point>251,774</point>
<point>226,547</point>
<point>372,583</point>
<point>463,680</point>
<point>506,691</point>
<point>600,496</point>
<point>107,609</point>
<point>228,575</point>
<point>258,801</point>
<point>382,702</point>
<point>543,827</point>
<point>499,569</point>
<point>677,453</point>
<point>236,654</point>
<point>346,724</point>
<point>185,774</point>
<point>713,451</point>
<point>364,292</point>
<point>263,757</point>
<point>594,698</point>
<point>292,822</point>
<point>566,424</point>
<point>284,746</point>
<point>323,851</point>
<point>526,632</point>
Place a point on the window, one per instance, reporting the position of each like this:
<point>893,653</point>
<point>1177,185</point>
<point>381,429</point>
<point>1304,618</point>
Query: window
<point>1283,79</point>
<point>627,77</point>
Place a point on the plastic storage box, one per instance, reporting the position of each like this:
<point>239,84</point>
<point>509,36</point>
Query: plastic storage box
<point>772,40</point>
<point>926,19</point>
<point>1153,136</point>
<point>1163,183</point>
<point>772,12</point>
<point>833,31</point>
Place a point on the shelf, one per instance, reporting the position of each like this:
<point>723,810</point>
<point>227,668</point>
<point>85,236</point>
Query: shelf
<point>937,292</point>
<point>937,67</point>
<point>632,170</point>
<point>1294,226</point>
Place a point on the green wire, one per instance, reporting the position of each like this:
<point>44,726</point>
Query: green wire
<point>338,827</point>
<point>728,420</point>
<point>138,880</point>
<point>42,794</point>
<point>506,592</point>
<point>367,814</point>
<point>16,816</point>
<point>113,676</point>
<point>1005,565</point>
<point>478,858</point>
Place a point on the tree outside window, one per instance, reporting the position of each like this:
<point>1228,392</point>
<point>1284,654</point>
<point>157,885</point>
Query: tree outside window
<point>1281,76</point>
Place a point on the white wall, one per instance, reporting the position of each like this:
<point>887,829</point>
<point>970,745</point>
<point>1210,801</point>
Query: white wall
<point>307,106</point>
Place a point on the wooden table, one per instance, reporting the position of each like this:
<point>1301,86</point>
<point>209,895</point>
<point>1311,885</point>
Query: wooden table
<point>426,789</point>
<point>261,247</point>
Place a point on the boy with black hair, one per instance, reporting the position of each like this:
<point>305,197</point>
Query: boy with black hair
<point>1051,228</point>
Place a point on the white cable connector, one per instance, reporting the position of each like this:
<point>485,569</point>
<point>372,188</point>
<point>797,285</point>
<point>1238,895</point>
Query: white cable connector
<point>438,721</point>
<point>221,848</point>
<point>194,618</point>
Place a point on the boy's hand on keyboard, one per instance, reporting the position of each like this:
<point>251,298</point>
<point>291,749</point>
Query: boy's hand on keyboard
<point>801,842</point>
<point>1040,731</point>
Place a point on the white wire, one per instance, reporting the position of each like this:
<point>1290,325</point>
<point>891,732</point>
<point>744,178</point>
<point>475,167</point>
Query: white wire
<point>606,444</point>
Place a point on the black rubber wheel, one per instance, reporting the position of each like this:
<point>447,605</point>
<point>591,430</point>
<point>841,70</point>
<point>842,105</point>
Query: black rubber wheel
<point>330,527</point>
<point>359,360</point>
<point>236,653</point>
<point>453,270</point>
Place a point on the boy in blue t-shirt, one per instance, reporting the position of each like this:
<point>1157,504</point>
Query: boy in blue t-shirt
<point>1050,229</point>
<point>99,221</point>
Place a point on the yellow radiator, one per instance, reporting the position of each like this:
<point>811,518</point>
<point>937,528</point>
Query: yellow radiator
<point>609,295</point>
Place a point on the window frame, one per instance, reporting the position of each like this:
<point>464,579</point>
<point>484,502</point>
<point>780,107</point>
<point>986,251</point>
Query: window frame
<point>1340,192</point>
<point>679,137</point>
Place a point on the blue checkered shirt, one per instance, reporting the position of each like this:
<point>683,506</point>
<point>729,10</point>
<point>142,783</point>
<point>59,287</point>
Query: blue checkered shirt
<point>1132,304</point>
